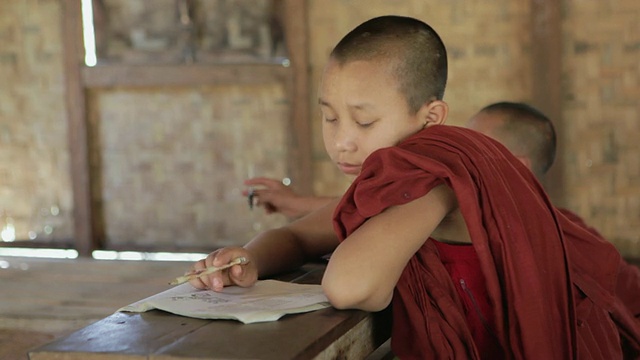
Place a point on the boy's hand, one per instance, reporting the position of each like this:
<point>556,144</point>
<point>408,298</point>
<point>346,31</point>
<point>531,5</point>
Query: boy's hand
<point>244,275</point>
<point>275,197</point>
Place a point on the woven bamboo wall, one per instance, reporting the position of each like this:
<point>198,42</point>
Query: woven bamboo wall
<point>35,189</point>
<point>169,163</point>
<point>602,117</point>
<point>144,32</point>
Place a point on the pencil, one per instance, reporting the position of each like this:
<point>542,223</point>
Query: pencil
<point>194,275</point>
<point>250,196</point>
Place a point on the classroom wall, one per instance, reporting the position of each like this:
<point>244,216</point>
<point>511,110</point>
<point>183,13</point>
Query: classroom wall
<point>489,48</point>
<point>168,163</point>
<point>601,112</point>
<point>35,186</point>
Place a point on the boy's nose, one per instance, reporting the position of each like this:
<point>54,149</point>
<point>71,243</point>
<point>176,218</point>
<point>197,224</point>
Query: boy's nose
<point>344,141</point>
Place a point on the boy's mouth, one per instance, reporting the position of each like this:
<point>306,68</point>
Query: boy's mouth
<point>349,169</point>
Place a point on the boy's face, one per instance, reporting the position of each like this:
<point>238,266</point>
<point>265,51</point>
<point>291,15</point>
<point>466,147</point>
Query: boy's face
<point>362,111</point>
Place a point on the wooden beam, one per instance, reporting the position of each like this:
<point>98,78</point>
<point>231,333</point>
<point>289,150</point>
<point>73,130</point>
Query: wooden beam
<point>183,75</point>
<point>77,127</point>
<point>546,44</point>
<point>300,146</point>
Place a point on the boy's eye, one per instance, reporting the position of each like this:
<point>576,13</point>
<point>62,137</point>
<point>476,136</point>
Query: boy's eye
<point>365,124</point>
<point>330,120</point>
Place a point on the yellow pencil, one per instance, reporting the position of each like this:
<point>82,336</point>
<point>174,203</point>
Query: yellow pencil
<point>194,275</point>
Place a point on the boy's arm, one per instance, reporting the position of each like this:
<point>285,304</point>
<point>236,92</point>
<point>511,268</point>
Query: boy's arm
<point>272,252</point>
<point>290,246</point>
<point>275,197</point>
<point>366,266</point>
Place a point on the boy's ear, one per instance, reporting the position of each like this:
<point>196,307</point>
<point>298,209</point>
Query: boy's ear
<point>434,113</point>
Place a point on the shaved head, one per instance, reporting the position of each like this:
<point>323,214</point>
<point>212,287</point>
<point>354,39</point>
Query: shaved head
<point>415,53</point>
<point>524,130</point>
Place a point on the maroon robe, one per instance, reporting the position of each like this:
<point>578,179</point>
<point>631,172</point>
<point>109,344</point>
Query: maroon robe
<point>628,283</point>
<point>627,288</point>
<point>550,301</point>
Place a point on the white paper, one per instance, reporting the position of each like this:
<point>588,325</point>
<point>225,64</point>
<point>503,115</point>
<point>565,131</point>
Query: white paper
<point>267,300</point>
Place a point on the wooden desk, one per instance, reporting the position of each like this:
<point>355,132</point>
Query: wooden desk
<point>322,334</point>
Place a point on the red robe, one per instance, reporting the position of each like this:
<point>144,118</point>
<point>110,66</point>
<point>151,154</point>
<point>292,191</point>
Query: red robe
<point>550,301</point>
<point>627,288</point>
<point>628,284</point>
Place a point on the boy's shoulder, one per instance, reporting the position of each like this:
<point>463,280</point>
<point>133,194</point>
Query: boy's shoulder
<point>454,138</point>
<point>452,134</point>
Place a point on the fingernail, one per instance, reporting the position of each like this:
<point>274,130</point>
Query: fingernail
<point>217,283</point>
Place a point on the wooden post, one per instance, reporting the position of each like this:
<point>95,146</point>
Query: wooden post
<point>546,44</point>
<point>84,238</point>
<point>300,145</point>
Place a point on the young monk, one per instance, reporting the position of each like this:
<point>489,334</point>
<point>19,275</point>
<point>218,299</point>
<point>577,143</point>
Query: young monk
<point>442,222</point>
<point>531,137</point>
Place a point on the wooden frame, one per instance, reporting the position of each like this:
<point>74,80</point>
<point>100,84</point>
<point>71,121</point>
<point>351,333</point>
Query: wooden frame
<point>546,44</point>
<point>77,128</point>
<point>80,79</point>
<point>181,75</point>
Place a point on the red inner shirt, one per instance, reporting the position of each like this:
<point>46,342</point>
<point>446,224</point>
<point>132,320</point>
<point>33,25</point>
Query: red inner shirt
<point>463,265</point>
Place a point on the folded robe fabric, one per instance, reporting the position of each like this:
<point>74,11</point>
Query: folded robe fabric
<point>626,305</point>
<point>550,301</point>
<point>628,282</point>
